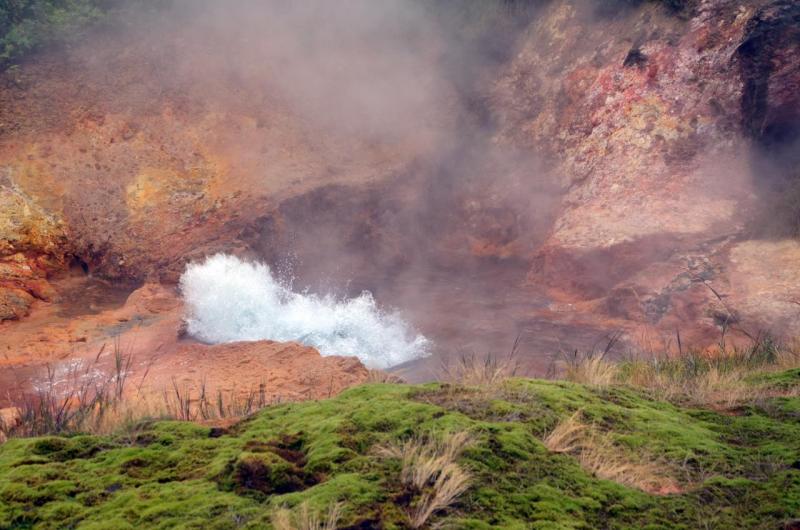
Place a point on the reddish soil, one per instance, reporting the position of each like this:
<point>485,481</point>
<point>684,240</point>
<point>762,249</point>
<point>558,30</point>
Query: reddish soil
<point>147,329</point>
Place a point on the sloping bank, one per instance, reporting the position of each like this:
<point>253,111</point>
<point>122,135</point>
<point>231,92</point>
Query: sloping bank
<point>523,463</point>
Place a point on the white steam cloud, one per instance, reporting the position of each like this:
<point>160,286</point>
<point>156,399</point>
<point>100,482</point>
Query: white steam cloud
<point>228,300</point>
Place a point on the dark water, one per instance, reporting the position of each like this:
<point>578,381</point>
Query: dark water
<point>86,295</point>
<point>478,312</point>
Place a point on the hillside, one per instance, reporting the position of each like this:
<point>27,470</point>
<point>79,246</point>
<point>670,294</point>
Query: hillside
<point>703,469</point>
<point>586,167</point>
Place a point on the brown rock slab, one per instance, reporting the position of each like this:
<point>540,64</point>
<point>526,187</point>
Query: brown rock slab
<point>282,371</point>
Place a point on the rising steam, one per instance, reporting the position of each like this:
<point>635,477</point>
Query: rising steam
<point>229,300</point>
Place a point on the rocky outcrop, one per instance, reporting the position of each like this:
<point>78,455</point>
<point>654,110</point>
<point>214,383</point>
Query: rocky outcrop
<point>281,371</point>
<point>151,155</point>
<point>32,241</point>
<point>767,58</point>
<point>648,115</point>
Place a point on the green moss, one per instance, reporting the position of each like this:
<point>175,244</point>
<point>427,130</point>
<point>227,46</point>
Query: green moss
<point>739,471</point>
<point>777,380</point>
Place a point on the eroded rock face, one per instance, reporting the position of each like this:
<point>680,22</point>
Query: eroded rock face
<point>648,115</point>
<point>163,143</point>
<point>32,240</point>
<point>133,159</point>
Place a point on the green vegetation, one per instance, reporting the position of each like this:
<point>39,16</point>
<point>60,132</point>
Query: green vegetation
<point>26,25</point>
<point>731,470</point>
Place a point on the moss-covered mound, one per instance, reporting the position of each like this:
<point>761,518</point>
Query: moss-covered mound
<point>734,470</point>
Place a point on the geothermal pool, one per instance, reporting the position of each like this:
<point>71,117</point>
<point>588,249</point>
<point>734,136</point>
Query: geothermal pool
<point>412,326</point>
<point>408,324</point>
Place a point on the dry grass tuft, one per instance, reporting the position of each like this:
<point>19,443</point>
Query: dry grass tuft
<point>182,404</point>
<point>591,368</point>
<point>716,380</point>
<point>95,396</point>
<point>82,396</point>
<point>380,376</point>
<point>713,386</point>
<point>598,454</point>
<point>306,519</point>
<point>592,371</point>
<point>450,483</point>
<point>472,370</point>
<point>788,357</point>
<point>429,466</point>
<point>567,436</point>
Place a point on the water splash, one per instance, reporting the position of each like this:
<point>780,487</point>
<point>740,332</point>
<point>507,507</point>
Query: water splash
<point>229,299</point>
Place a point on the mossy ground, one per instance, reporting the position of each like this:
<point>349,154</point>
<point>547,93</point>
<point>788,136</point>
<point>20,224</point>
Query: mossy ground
<point>738,470</point>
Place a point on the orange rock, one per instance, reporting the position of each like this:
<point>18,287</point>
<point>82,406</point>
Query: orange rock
<point>9,417</point>
<point>281,371</point>
<point>14,303</point>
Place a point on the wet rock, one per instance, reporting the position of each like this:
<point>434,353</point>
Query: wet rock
<point>146,328</point>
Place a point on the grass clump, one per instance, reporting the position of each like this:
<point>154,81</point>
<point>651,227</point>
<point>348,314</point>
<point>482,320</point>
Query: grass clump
<point>305,519</point>
<point>429,466</point>
<point>722,379</point>
<point>490,370</point>
<point>600,455</point>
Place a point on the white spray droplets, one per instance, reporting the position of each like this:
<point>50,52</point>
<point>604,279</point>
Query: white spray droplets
<point>229,299</point>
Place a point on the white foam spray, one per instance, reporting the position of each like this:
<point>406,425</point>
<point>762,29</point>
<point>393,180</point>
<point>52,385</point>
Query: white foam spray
<point>229,299</point>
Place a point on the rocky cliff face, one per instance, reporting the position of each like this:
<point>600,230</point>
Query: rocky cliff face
<point>650,116</point>
<point>32,242</point>
<point>127,160</point>
<point>127,156</point>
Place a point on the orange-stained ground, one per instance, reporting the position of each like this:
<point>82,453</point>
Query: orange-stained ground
<point>147,328</point>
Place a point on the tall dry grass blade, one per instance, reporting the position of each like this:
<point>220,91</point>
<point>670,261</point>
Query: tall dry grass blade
<point>451,482</point>
<point>597,454</point>
<point>429,466</point>
<point>567,435</point>
<point>303,518</point>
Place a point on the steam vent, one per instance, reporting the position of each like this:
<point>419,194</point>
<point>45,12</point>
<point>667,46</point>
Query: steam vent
<point>400,264</point>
